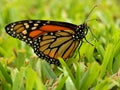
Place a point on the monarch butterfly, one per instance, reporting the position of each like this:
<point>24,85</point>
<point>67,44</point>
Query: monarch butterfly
<point>49,39</point>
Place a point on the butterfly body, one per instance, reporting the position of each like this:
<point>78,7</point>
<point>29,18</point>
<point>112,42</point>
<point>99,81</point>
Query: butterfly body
<point>49,39</point>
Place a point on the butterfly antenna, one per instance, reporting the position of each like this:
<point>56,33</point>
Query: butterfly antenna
<point>89,13</point>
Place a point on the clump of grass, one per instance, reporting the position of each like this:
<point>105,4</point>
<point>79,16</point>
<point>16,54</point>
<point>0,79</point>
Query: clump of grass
<point>97,68</point>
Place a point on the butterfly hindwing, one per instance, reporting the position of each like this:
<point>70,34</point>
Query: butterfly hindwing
<point>54,47</point>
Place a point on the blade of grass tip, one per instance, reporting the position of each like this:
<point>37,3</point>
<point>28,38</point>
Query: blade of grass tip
<point>107,57</point>
<point>2,51</point>
<point>80,69</point>
<point>68,73</point>
<point>103,85</point>
<point>106,84</point>
<point>20,59</point>
<point>61,83</point>
<point>100,49</point>
<point>115,52</point>
<point>5,74</point>
<point>66,69</point>
<point>47,70</point>
<point>30,78</point>
<point>18,81</point>
<point>117,48</point>
<point>116,64</point>
<point>39,84</point>
<point>90,76</point>
<point>78,75</point>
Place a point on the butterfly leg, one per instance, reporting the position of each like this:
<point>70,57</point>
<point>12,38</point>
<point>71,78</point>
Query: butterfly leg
<point>79,48</point>
<point>78,51</point>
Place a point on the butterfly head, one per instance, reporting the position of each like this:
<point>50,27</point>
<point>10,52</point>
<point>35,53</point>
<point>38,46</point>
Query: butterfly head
<point>82,31</point>
<point>85,28</point>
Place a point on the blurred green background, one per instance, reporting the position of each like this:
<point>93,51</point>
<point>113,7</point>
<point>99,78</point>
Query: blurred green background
<point>98,67</point>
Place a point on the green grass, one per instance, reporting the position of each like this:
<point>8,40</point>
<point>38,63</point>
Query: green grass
<point>98,66</point>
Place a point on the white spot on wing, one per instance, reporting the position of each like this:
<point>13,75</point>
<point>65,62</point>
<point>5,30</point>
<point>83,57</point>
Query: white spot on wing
<point>24,36</point>
<point>24,32</point>
<point>44,24</point>
<point>26,25</point>
<point>30,21</point>
<point>48,22</point>
<point>36,24</point>
<point>33,28</point>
